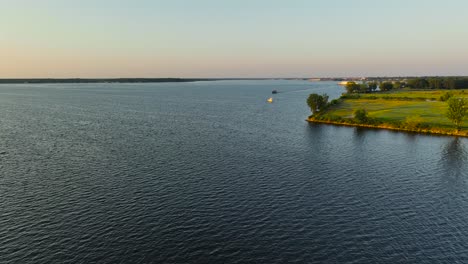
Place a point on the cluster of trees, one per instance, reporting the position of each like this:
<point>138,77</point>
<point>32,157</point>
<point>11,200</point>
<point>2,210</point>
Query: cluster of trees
<point>438,83</point>
<point>457,110</point>
<point>369,87</point>
<point>386,86</point>
<point>353,87</point>
<point>415,83</point>
<point>317,102</point>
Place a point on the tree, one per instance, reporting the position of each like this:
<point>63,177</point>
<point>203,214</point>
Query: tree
<point>361,115</point>
<point>435,83</point>
<point>457,109</point>
<point>352,87</point>
<point>317,102</point>
<point>372,86</point>
<point>386,86</point>
<point>449,83</point>
<point>363,88</point>
<point>445,96</point>
<point>418,83</point>
<point>397,85</point>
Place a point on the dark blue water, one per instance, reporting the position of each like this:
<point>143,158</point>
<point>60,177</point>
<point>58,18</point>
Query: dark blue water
<point>208,172</point>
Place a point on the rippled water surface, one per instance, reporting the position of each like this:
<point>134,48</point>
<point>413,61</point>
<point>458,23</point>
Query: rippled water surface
<point>208,172</point>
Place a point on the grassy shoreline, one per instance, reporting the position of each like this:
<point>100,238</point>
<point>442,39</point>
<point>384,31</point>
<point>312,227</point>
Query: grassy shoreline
<point>419,131</point>
<point>407,111</point>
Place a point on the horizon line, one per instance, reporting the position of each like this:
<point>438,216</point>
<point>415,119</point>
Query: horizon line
<point>225,78</point>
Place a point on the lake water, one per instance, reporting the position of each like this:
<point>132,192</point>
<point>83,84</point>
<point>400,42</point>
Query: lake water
<point>208,172</point>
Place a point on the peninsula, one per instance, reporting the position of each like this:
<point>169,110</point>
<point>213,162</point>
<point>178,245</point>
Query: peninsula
<point>372,105</point>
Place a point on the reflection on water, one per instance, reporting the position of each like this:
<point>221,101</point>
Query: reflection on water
<point>360,132</point>
<point>453,176</point>
<point>454,158</point>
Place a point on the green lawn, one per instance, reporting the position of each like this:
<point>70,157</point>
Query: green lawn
<point>429,112</point>
<point>417,94</point>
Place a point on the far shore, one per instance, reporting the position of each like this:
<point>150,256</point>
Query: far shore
<point>95,80</point>
<point>135,80</point>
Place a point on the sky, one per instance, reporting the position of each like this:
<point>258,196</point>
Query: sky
<point>232,38</point>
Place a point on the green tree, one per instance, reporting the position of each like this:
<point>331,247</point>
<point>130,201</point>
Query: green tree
<point>435,83</point>
<point>397,85</point>
<point>372,86</point>
<point>418,83</point>
<point>361,115</point>
<point>449,83</point>
<point>352,87</point>
<point>317,102</point>
<point>364,88</point>
<point>457,109</point>
<point>386,86</point>
<point>445,96</point>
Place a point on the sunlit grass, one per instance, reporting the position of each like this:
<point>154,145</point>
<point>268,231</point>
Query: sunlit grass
<point>429,112</point>
<point>418,94</point>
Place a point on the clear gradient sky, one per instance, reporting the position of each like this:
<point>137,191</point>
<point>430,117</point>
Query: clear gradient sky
<point>232,38</point>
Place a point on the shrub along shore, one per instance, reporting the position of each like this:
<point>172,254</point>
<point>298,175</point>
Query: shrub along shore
<point>442,112</point>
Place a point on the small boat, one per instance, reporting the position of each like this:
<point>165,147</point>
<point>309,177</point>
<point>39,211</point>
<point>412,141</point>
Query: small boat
<point>274,92</point>
<point>270,100</point>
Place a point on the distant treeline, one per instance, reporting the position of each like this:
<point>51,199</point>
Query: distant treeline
<point>112,80</point>
<point>438,83</point>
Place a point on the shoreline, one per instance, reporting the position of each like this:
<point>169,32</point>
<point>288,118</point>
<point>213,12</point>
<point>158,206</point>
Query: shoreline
<point>96,80</point>
<point>130,80</point>
<point>416,131</point>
